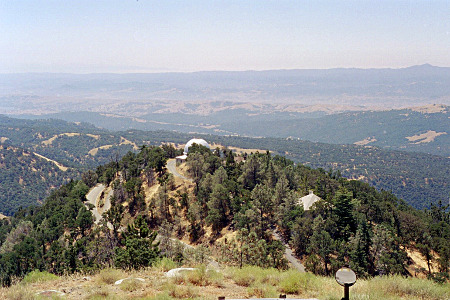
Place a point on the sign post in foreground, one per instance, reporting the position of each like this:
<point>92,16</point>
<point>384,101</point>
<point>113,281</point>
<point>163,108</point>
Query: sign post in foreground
<point>346,277</point>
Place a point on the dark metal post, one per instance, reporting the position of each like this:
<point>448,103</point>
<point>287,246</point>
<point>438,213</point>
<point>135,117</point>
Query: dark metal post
<point>346,292</point>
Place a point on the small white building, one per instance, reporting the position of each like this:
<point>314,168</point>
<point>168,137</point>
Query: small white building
<point>308,200</point>
<point>180,159</point>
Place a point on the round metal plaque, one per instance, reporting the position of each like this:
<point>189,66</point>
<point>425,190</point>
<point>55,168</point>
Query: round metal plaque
<point>345,277</point>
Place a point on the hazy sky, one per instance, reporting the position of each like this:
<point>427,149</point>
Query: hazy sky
<point>150,36</point>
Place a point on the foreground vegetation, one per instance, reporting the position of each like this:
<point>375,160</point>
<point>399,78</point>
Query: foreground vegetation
<point>203,283</point>
<point>229,209</point>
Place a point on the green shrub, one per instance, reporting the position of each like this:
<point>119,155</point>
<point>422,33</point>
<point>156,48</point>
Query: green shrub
<point>38,276</point>
<point>440,277</point>
<point>201,276</point>
<point>165,264</point>
<point>294,282</point>
<point>412,287</point>
<point>182,291</point>
<point>270,276</point>
<point>245,276</point>
<point>109,276</point>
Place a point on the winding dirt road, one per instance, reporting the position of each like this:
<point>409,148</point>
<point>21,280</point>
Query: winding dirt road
<point>93,196</point>
<point>172,167</point>
<point>289,254</point>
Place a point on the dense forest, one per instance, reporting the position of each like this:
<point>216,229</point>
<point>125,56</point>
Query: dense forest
<point>420,179</point>
<point>253,195</point>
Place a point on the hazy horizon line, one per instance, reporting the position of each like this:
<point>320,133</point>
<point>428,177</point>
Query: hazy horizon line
<point>228,71</point>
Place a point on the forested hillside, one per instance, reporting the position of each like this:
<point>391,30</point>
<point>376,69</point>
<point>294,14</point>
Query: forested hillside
<point>26,178</point>
<point>419,179</point>
<point>253,195</point>
<point>80,146</point>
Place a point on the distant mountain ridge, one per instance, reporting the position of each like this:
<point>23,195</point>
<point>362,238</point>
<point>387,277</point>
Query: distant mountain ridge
<point>391,88</point>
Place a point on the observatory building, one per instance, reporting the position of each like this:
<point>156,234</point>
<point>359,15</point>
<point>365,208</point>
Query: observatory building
<point>308,200</point>
<point>195,141</point>
<point>182,158</point>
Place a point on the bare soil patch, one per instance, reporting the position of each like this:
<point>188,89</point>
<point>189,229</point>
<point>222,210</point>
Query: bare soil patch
<point>366,141</point>
<point>426,137</point>
<point>430,109</point>
<point>50,140</point>
<point>60,166</point>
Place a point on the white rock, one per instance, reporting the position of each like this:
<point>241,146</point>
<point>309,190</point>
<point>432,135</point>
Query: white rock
<point>177,272</point>
<point>129,278</point>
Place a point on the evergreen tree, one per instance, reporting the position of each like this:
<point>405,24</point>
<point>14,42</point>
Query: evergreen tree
<point>139,249</point>
<point>262,202</point>
<point>218,207</point>
<point>251,173</point>
<point>321,243</point>
<point>359,250</point>
<point>343,209</point>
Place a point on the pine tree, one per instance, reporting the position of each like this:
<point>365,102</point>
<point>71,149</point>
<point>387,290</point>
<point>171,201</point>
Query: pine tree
<point>321,243</point>
<point>218,207</point>
<point>262,202</point>
<point>343,209</point>
<point>139,249</point>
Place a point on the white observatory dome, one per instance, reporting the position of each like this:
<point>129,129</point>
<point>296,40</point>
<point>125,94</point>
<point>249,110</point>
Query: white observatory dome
<point>195,141</point>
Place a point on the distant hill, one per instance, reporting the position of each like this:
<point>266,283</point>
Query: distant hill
<point>420,130</point>
<point>79,146</point>
<point>340,106</point>
<point>367,87</point>
<point>135,95</point>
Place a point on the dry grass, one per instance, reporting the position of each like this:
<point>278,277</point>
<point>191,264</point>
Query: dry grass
<point>234,283</point>
<point>395,287</point>
<point>109,276</point>
<point>262,291</point>
<point>19,292</point>
<point>182,291</point>
<point>201,276</point>
<point>101,292</point>
<point>426,137</point>
<point>131,285</point>
<point>165,264</point>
